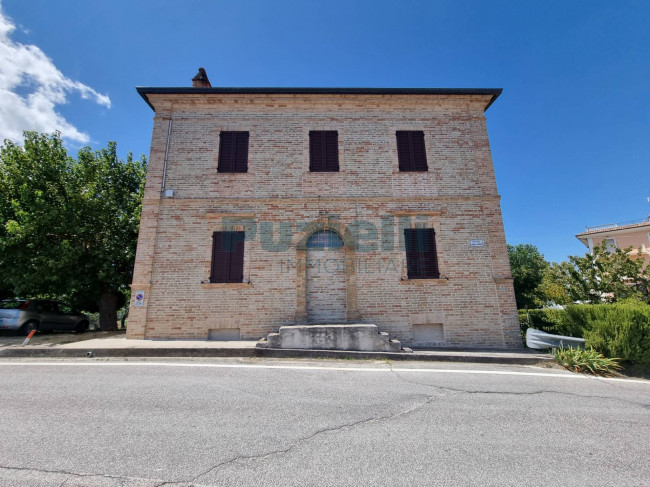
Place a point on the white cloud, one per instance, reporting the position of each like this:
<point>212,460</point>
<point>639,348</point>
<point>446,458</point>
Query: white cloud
<point>26,67</point>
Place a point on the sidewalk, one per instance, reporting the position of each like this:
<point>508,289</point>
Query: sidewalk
<point>121,347</point>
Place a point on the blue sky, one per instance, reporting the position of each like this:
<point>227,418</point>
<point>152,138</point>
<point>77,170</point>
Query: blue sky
<point>569,134</point>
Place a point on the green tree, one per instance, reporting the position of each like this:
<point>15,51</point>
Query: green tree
<point>601,276</point>
<point>553,289</point>
<point>527,265</point>
<point>69,227</point>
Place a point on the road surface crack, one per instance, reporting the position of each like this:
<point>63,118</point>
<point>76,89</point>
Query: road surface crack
<point>76,474</point>
<point>512,393</point>
<point>300,441</point>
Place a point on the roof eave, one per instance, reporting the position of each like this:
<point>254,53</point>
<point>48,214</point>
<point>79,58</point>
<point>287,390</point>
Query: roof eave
<point>614,230</point>
<point>145,91</point>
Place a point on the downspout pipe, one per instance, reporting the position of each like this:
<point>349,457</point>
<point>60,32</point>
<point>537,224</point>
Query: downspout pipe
<point>169,133</point>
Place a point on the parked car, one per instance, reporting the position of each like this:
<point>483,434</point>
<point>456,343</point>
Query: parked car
<point>25,315</point>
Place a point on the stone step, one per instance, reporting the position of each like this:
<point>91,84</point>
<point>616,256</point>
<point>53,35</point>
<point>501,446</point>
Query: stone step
<point>352,337</point>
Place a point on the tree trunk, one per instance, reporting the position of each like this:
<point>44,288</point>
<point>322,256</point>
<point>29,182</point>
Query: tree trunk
<point>108,311</point>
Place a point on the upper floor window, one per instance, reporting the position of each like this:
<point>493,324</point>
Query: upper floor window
<point>323,151</point>
<point>227,257</point>
<point>411,153</point>
<point>610,245</point>
<point>421,255</point>
<point>233,152</point>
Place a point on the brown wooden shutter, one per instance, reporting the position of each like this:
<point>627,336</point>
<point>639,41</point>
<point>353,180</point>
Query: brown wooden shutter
<point>316,148</point>
<point>241,151</point>
<point>331,151</point>
<point>236,263</point>
<point>218,267</point>
<point>323,151</point>
<point>233,152</point>
<point>429,254</point>
<point>412,254</point>
<point>403,151</point>
<point>226,151</point>
<point>419,152</point>
<point>411,152</point>
<point>227,257</point>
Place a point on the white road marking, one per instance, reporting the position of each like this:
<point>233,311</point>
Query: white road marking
<point>559,375</point>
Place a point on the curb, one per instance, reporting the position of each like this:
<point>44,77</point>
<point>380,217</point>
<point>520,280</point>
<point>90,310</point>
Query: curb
<point>487,358</point>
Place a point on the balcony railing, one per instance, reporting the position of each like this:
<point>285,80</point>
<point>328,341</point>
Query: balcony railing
<point>620,224</point>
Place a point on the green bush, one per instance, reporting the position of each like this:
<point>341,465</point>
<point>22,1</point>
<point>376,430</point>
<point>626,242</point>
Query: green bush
<point>548,320</point>
<point>621,330</point>
<point>617,330</point>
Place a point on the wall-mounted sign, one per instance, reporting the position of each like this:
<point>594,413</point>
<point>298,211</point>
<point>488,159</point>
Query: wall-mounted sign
<point>476,242</point>
<point>139,298</point>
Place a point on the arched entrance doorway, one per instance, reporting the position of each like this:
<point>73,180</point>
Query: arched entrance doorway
<point>325,223</point>
<point>325,279</point>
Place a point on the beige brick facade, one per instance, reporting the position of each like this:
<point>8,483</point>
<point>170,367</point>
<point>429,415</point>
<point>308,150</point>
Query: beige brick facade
<point>278,203</point>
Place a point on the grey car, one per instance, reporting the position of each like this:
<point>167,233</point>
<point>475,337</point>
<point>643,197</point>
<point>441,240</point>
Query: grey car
<point>25,315</point>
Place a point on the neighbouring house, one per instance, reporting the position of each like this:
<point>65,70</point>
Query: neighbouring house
<point>635,234</point>
<point>278,206</point>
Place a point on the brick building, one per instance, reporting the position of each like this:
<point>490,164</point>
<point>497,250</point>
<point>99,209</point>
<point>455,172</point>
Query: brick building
<point>276,206</point>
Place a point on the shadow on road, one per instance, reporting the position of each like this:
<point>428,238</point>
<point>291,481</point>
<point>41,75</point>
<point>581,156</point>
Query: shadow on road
<point>52,338</point>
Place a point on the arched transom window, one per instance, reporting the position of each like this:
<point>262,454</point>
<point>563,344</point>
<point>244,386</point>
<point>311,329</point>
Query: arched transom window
<point>324,239</point>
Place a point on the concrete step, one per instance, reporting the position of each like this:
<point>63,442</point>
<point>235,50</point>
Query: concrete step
<point>349,337</point>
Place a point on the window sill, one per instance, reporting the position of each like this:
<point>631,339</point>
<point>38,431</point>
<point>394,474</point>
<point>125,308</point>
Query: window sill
<point>226,285</point>
<point>439,281</point>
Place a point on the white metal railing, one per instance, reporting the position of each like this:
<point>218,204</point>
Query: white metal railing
<point>620,224</point>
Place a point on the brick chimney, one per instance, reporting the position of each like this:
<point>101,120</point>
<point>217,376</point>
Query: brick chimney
<point>201,80</point>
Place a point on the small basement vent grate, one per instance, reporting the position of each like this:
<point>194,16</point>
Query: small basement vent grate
<point>224,334</point>
<point>428,334</point>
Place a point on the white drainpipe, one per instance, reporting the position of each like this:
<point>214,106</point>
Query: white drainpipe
<point>169,132</point>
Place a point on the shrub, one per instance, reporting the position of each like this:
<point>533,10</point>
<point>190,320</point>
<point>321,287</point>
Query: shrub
<point>548,320</point>
<point>589,360</point>
<point>617,330</point>
<point>621,330</point>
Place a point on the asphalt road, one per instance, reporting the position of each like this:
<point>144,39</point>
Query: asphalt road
<point>321,423</point>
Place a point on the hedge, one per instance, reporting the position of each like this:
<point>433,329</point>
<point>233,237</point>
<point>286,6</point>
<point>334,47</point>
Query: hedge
<point>616,330</point>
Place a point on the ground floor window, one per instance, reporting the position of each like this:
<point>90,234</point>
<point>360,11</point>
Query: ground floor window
<point>227,257</point>
<point>421,255</point>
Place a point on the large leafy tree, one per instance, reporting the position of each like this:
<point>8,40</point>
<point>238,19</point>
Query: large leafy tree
<point>528,266</point>
<point>554,287</point>
<point>69,227</point>
<point>600,276</point>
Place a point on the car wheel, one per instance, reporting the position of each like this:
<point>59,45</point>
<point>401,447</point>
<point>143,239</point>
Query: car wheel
<point>81,327</point>
<point>28,327</point>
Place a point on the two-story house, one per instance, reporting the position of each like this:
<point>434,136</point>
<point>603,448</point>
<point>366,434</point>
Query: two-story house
<point>635,234</point>
<point>277,206</point>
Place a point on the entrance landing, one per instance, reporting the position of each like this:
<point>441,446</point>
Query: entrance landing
<point>351,337</point>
